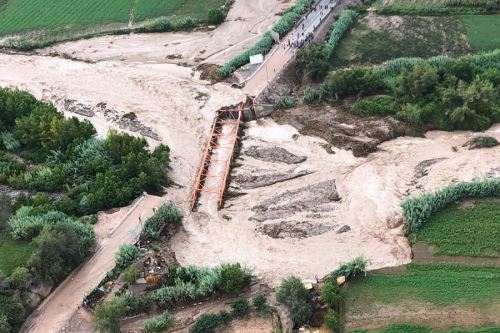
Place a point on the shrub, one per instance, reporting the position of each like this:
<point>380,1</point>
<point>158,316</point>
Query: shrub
<point>295,296</point>
<point>166,214</point>
<point>159,323</point>
<point>107,316</point>
<point>131,274</point>
<point>483,142</point>
<point>330,294</point>
<point>332,320</point>
<point>381,105</point>
<point>215,16</point>
<point>240,307</point>
<point>287,102</point>
<point>19,277</point>
<point>207,323</point>
<point>126,255</point>
<point>351,268</point>
<point>233,278</point>
<point>259,302</point>
<point>418,210</point>
<point>311,95</point>
<point>12,313</point>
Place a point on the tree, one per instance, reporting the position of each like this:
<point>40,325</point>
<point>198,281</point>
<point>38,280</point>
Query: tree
<point>295,296</point>
<point>59,249</point>
<point>107,316</point>
<point>415,84</point>
<point>312,61</point>
<point>215,16</point>
<point>233,278</point>
<point>12,314</point>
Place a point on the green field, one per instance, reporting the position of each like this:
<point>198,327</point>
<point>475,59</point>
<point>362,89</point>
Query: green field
<point>20,16</point>
<point>471,230</point>
<point>375,39</point>
<point>13,253</point>
<point>483,31</point>
<point>432,283</point>
<point>410,328</point>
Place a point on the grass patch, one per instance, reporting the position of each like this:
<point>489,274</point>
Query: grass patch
<point>375,39</point>
<point>13,253</point>
<point>466,231</point>
<point>483,31</point>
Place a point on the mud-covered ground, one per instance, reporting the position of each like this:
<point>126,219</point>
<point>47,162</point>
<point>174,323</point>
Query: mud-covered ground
<point>301,207</point>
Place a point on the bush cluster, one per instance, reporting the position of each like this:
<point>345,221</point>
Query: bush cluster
<point>159,323</point>
<point>287,102</point>
<point>418,210</point>
<point>264,45</point>
<point>295,296</point>
<point>127,254</point>
<point>208,323</point>
<point>351,268</point>
<point>380,105</point>
<point>165,24</point>
<point>439,93</point>
<point>191,283</point>
<point>165,215</point>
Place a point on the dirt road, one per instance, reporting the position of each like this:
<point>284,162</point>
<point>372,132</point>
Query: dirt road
<point>113,230</point>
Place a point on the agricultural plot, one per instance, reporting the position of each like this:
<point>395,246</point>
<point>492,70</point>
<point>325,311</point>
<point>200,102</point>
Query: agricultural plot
<point>483,31</point>
<point>375,39</point>
<point>410,328</point>
<point>20,16</point>
<point>420,293</point>
<point>469,229</point>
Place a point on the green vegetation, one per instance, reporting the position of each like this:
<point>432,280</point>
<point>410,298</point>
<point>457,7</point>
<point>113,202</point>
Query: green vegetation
<point>483,141</point>
<point>412,328</point>
<point>131,274</point>
<point>438,93</point>
<point>351,269</point>
<point>330,294</point>
<point>435,283</point>
<point>264,45</point>
<point>44,22</point>
<point>429,7</point>
<point>295,296</point>
<point>127,254</point>
<point>240,307</point>
<point>287,102</point>
<point>346,19</point>
<point>375,39</point>
<point>483,31</point>
<point>13,253</point>
<point>159,323</point>
<point>208,323</point>
<point>465,230</point>
<point>165,215</point>
<point>419,210</point>
<point>233,278</point>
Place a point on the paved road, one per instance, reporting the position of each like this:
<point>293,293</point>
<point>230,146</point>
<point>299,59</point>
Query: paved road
<point>312,20</point>
<point>54,313</point>
<point>282,53</point>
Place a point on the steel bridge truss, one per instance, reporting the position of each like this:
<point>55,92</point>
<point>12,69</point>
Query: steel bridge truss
<point>218,180</point>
